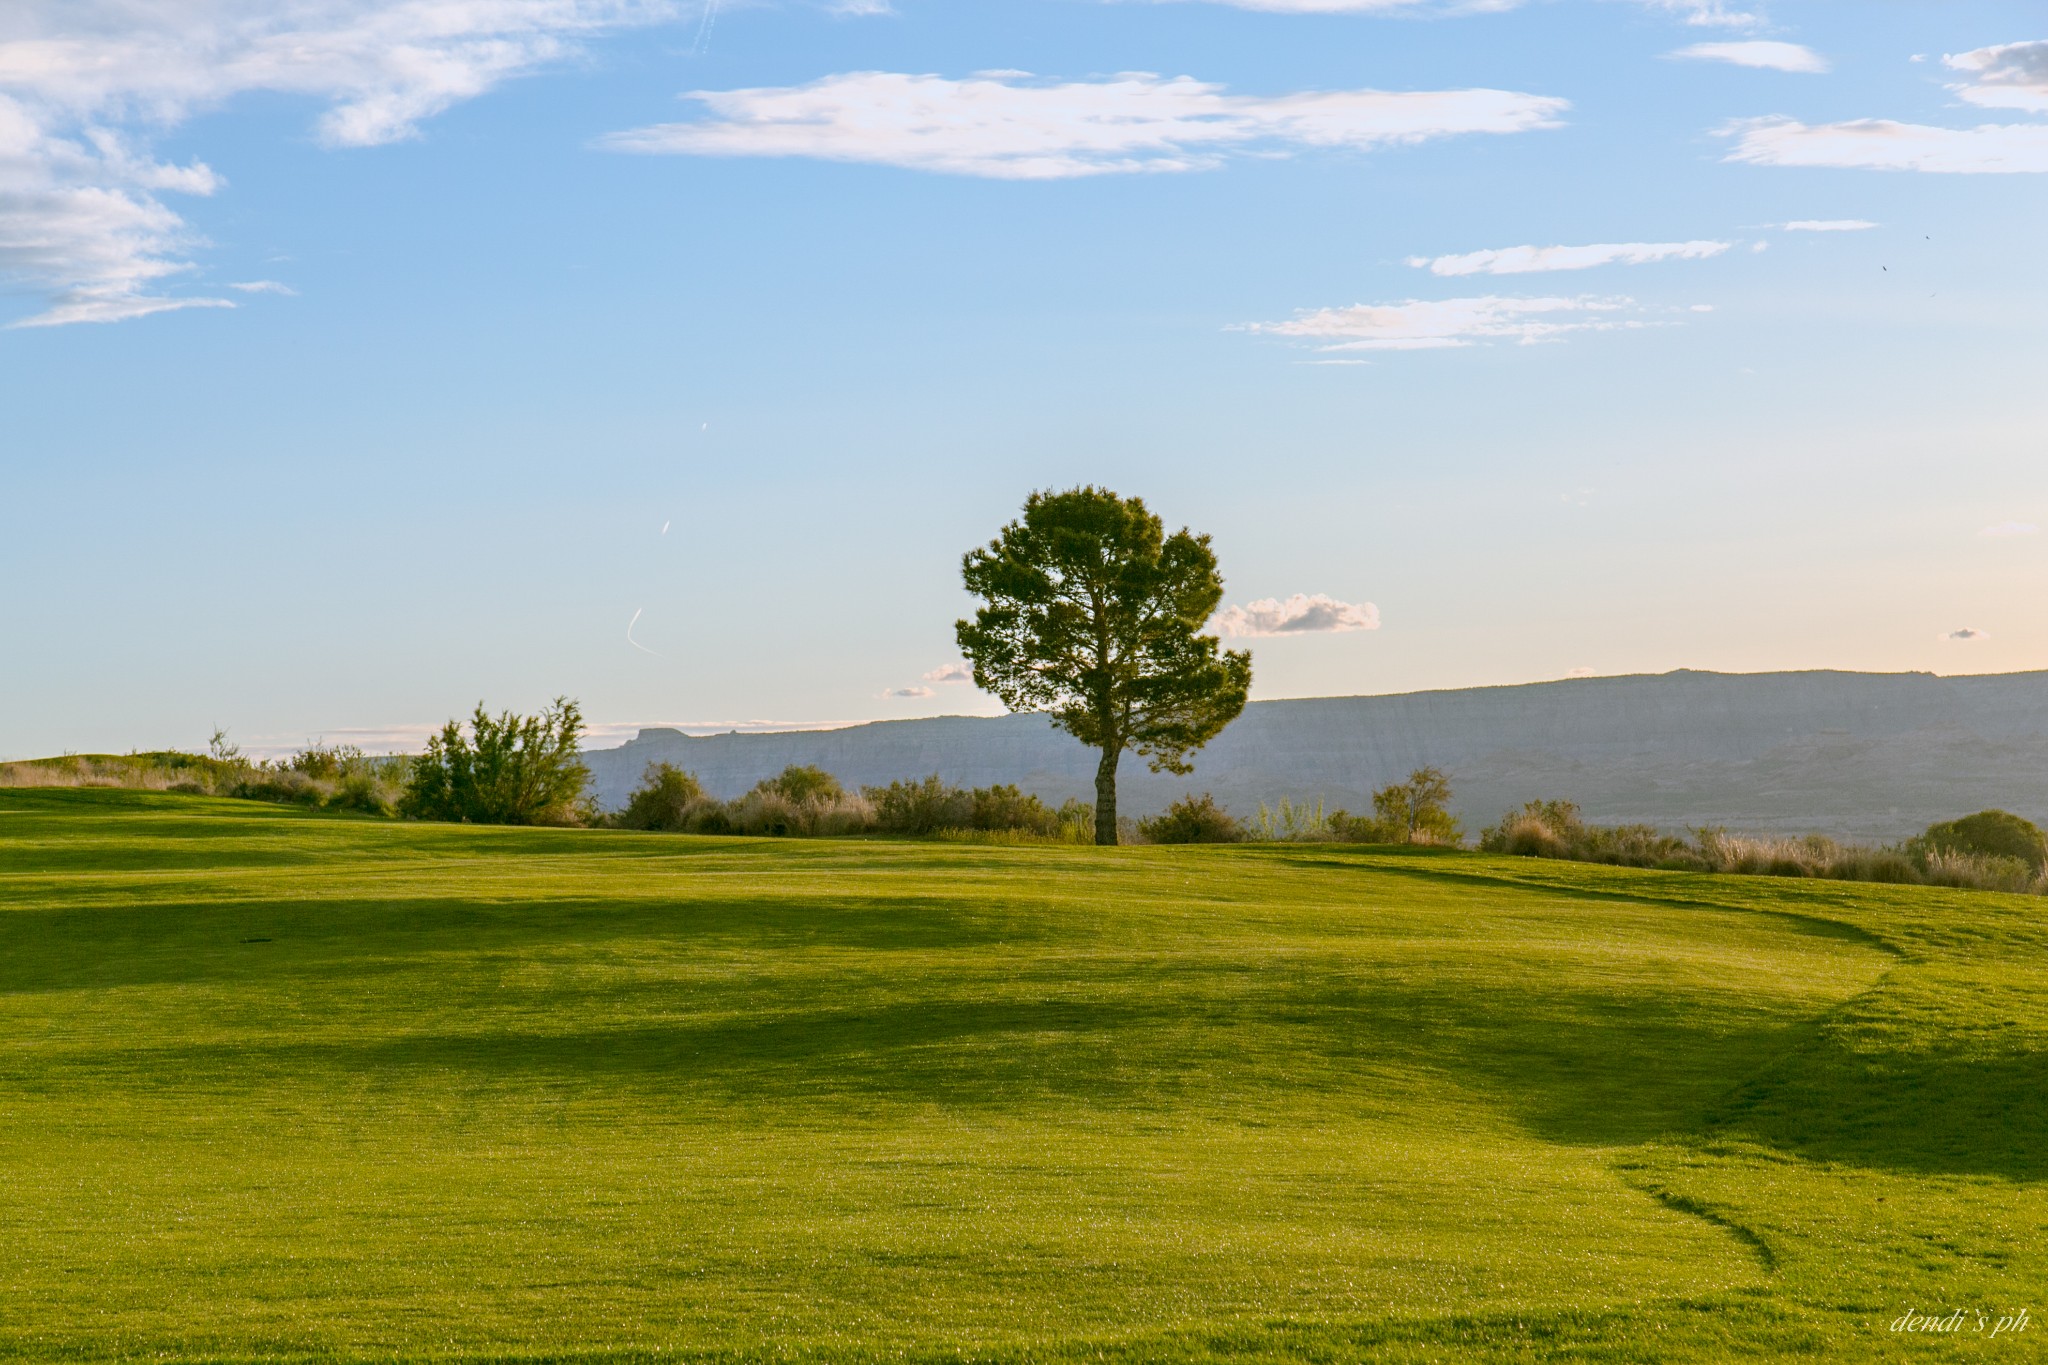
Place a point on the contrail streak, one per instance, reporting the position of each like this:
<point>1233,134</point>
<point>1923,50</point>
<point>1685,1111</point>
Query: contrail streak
<point>704,29</point>
<point>629,633</point>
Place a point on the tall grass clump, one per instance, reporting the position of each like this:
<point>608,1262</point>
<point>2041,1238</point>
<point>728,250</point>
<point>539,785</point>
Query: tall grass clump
<point>1291,823</point>
<point>329,778</point>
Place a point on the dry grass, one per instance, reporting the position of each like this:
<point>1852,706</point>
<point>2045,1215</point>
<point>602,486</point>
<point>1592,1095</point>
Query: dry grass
<point>142,772</point>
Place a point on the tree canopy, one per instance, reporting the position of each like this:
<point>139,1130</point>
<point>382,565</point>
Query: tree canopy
<point>1094,616</point>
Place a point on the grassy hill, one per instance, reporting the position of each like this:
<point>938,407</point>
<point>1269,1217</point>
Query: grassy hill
<point>278,1084</point>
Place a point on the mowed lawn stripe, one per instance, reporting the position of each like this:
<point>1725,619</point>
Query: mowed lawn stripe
<point>284,1084</point>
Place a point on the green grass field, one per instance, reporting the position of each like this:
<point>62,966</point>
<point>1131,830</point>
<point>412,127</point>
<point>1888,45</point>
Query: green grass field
<point>276,1084</point>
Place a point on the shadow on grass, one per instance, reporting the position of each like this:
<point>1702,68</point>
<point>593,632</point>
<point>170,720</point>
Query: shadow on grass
<point>1573,1067</point>
<point>1937,1112</point>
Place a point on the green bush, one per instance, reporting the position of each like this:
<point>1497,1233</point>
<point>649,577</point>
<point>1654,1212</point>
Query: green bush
<point>282,785</point>
<point>668,799</point>
<point>920,808</point>
<point>1990,834</point>
<point>1006,808</point>
<point>799,784</point>
<point>1192,820</point>
<point>511,770</point>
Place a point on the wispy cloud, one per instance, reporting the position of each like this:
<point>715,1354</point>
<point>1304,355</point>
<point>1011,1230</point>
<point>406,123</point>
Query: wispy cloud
<point>1436,324</point>
<point>950,673</point>
<point>908,693</point>
<point>265,287</point>
<point>84,84</point>
<point>1758,53</point>
<point>1524,260</point>
<point>1004,125</point>
<point>2006,529</point>
<point>1882,145</point>
<point>2010,76</point>
<point>1828,225</point>
<point>1301,614</point>
<point>1966,633</point>
<point>1708,13</point>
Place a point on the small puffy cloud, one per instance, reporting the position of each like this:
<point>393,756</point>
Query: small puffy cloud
<point>1301,614</point>
<point>1967,633</point>
<point>1437,324</point>
<point>950,673</point>
<point>908,693</point>
<point>1828,225</point>
<point>2010,76</point>
<point>2010,528</point>
<point>265,287</point>
<point>1766,56</point>
<point>1525,260</point>
<point>1003,126</point>
<point>1883,145</point>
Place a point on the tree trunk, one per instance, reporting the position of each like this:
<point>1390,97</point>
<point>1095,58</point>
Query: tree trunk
<point>1105,794</point>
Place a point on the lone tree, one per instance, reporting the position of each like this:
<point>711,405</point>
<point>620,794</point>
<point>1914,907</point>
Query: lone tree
<point>1094,617</point>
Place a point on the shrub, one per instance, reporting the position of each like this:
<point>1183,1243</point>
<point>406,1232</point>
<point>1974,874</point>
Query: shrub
<point>1361,829</point>
<point>362,793</point>
<point>512,770</point>
<point>766,810</point>
<point>283,785</point>
<point>667,799</point>
<point>1007,808</point>
<point>1417,811</point>
<point>800,784</point>
<point>1988,833</point>
<point>1192,820</point>
<point>328,763</point>
<point>920,807</point>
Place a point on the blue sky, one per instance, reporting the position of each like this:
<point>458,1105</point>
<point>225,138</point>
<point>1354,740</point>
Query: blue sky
<point>355,354</point>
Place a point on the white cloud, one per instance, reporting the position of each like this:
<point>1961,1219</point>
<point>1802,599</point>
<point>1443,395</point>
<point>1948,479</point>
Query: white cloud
<point>950,673</point>
<point>1768,56</point>
<point>1523,260</point>
<point>1828,225</point>
<point>1966,633</point>
<point>1882,145</point>
<point>1707,13</point>
<point>908,693</point>
<point>83,82</point>
<point>1301,614</point>
<point>2010,76</point>
<point>2010,528</point>
<point>1420,324</point>
<point>996,124</point>
<point>265,287</point>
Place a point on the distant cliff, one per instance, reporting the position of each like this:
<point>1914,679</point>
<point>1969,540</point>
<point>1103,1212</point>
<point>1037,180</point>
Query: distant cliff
<point>1873,755</point>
